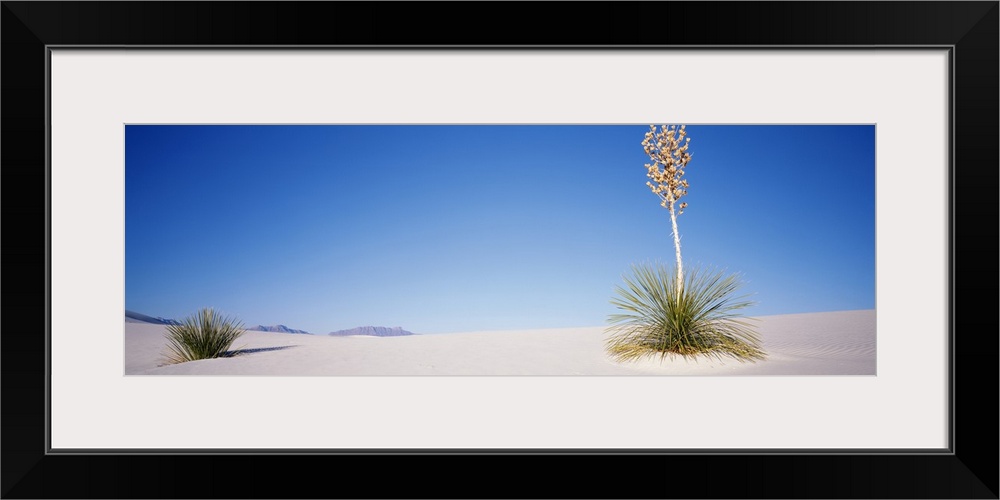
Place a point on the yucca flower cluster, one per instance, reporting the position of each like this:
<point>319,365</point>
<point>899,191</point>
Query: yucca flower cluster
<point>668,148</point>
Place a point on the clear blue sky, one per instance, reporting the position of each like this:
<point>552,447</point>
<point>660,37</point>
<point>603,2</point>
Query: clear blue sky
<point>460,228</point>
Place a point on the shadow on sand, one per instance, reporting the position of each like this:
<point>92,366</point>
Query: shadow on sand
<point>243,352</point>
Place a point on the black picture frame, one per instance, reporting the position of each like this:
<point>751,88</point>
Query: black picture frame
<point>968,470</point>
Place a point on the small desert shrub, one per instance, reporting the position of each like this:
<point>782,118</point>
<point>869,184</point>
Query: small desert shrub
<point>700,318</point>
<point>205,335</point>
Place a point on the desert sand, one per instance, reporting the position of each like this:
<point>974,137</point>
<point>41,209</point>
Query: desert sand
<point>828,343</point>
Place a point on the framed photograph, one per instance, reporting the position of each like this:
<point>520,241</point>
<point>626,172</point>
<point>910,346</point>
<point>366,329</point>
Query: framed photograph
<point>288,161</point>
<point>478,239</point>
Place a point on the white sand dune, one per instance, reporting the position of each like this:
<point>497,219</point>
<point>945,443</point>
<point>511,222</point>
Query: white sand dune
<point>831,343</point>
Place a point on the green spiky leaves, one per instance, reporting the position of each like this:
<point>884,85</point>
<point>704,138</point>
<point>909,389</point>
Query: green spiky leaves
<point>207,334</point>
<point>700,319</point>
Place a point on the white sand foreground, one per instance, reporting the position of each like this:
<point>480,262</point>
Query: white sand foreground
<point>829,343</point>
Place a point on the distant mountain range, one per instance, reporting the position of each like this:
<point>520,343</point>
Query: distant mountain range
<point>275,328</point>
<point>134,317</point>
<point>377,331</point>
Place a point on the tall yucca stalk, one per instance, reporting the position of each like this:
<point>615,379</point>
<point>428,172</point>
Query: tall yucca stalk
<point>207,334</point>
<point>668,148</point>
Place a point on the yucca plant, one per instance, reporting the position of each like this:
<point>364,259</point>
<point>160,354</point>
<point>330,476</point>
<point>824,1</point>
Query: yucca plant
<point>701,319</point>
<point>670,313</point>
<point>206,334</point>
